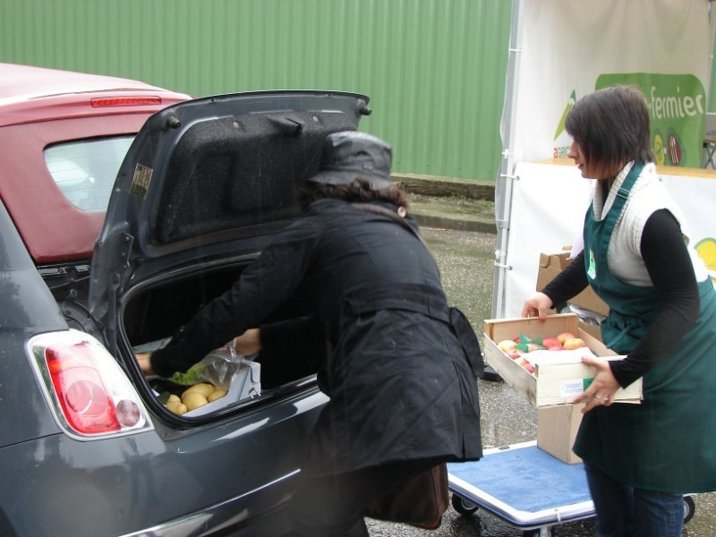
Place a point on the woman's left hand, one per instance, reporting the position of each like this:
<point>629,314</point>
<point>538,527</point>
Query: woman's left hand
<point>602,389</point>
<point>145,363</point>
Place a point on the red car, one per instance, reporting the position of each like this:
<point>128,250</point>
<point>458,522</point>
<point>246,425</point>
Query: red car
<point>66,133</point>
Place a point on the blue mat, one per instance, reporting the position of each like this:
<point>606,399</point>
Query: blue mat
<point>525,478</point>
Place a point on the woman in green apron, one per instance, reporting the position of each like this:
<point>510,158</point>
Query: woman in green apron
<point>640,459</point>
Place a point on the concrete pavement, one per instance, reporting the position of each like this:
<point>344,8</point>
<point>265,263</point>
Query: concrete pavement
<point>451,203</point>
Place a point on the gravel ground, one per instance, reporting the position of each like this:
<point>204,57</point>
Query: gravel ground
<point>466,261</point>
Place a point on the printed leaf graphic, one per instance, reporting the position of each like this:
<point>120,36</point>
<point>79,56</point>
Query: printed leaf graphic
<point>567,108</point>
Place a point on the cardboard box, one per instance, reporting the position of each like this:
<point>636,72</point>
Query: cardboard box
<point>552,264</point>
<point>558,379</point>
<point>592,329</point>
<point>557,428</point>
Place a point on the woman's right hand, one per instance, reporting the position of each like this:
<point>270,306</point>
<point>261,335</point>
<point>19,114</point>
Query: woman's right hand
<point>247,343</point>
<point>538,305</point>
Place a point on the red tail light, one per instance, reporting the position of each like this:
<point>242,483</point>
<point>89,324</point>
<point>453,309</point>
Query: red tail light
<point>87,405</point>
<point>100,102</point>
<point>90,393</point>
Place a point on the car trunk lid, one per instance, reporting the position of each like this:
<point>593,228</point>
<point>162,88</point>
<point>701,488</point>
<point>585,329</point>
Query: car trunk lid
<point>209,179</point>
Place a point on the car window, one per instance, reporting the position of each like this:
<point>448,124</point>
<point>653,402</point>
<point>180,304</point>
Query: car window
<point>85,170</point>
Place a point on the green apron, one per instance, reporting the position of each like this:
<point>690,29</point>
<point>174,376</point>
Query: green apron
<point>667,443</point>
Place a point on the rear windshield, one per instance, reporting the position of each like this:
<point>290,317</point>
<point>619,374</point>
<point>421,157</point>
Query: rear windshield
<point>85,170</point>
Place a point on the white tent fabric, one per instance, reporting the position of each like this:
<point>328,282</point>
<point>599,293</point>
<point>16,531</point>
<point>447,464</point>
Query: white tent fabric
<point>567,45</point>
<point>549,202</point>
<point>561,50</point>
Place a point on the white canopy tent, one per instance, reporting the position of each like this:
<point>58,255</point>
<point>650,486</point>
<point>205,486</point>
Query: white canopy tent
<point>561,50</point>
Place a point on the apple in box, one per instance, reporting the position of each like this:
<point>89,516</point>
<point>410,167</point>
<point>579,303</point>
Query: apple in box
<point>573,343</point>
<point>552,343</point>
<point>507,345</point>
<point>522,348</point>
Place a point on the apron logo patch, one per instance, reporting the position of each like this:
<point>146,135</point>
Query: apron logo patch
<point>592,270</point>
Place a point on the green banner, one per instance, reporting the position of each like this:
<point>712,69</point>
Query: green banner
<point>677,104</point>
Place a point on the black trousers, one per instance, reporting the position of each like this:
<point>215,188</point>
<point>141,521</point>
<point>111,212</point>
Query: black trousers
<point>333,505</point>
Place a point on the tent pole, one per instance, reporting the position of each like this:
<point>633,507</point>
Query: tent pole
<point>504,182</point>
<point>711,93</point>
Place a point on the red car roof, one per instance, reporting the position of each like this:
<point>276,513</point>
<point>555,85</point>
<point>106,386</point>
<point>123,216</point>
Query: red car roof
<point>40,107</point>
<point>29,93</point>
<point>27,80</point>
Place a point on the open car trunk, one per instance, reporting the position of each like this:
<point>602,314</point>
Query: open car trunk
<point>153,312</point>
<point>204,187</point>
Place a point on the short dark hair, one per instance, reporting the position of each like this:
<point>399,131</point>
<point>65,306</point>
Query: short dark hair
<point>358,191</point>
<point>611,126</point>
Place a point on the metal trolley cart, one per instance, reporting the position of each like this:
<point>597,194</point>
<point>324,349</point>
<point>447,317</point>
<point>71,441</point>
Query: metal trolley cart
<point>526,487</point>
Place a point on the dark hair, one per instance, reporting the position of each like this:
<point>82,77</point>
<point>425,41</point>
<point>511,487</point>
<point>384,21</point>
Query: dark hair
<point>359,191</point>
<point>611,127</point>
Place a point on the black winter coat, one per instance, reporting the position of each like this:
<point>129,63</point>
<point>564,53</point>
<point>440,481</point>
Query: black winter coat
<point>400,386</point>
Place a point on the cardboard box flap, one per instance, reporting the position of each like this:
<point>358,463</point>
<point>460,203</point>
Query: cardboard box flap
<point>540,357</point>
<point>559,260</point>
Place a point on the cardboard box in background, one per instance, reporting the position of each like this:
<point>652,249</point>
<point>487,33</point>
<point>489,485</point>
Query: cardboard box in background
<point>592,329</point>
<point>557,428</point>
<point>559,380</point>
<point>552,264</point>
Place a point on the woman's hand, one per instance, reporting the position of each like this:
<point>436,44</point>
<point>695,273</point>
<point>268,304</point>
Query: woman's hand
<point>602,389</point>
<point>145,363</point>
<point>538,305</point>
<point>247,343</point>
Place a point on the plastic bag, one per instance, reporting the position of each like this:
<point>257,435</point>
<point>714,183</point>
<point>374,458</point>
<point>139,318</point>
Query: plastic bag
<point>217,368</point>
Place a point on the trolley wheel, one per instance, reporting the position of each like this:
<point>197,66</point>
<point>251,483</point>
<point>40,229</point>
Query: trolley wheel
<point>689,508</point>
<point>463,506</point>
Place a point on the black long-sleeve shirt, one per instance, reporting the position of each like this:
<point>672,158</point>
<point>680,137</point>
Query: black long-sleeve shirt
<point>669,266</point>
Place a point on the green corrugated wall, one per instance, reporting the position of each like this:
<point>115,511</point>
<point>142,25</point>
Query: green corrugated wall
<point>434,69</point>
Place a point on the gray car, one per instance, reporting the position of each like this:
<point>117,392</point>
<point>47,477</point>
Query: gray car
<point>89,446</point>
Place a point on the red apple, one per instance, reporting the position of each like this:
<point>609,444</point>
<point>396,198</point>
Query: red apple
<point>551,343</point>
<point>564,336</point>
